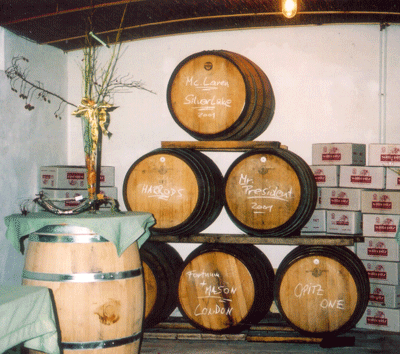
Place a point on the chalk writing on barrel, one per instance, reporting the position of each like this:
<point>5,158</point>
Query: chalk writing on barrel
<point>160,192</point>
<point>208,102</point>
<point>202,274</point>
<point>215,292</point>
<point>199,311</point>
<point>310,289</point>
<point>270,193</point>
<point>205,84</point>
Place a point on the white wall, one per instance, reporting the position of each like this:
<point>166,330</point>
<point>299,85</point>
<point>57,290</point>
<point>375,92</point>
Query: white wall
<point>28,139</point>
<point>325,79</point>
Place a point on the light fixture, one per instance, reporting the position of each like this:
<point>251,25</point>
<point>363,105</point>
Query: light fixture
<point>289,8</point>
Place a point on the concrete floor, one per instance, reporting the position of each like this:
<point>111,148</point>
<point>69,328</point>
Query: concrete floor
<point>366,342</point>
<point>273,336</point>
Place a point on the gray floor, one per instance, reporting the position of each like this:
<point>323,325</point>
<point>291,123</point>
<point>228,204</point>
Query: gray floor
<point>365,343</point>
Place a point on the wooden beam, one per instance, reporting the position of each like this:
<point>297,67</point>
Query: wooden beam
<point>220,145</point>
<point>64,12</point>
<point>331,240</point>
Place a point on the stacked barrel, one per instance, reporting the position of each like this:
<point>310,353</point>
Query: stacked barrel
<point>267,192</point>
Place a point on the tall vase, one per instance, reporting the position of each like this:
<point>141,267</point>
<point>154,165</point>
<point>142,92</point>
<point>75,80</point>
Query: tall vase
<point>91,176</point>
<point>95,119</point>
<point>91,162</point>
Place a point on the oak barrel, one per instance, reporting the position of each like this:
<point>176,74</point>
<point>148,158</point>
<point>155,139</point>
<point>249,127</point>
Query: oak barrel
<point>270,192</point>
<point>99,297</point>
<point>162,265</point>
<point>321,291</point>
<point>220,95</point>
<point>225,288</point>
<point>180,187</point>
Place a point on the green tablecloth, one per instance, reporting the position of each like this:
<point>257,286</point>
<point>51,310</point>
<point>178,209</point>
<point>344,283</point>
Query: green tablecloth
<point>121,228</point>
<point>27,315</point>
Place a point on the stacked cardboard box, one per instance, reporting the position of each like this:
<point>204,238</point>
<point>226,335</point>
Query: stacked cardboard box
<point>360,198</point>
<point>338,210</point>
<point>70,182</point>
<point>381,252</point>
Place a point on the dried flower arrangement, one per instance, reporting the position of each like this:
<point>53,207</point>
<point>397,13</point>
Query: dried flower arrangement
<point>100,84</point>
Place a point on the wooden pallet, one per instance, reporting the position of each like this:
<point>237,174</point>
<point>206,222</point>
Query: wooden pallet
<point>331,240</point>
<point>236,146</point>
<point>271,329</point>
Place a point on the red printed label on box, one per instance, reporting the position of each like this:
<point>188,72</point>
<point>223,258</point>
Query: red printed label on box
<point>361,179</point>
<point>331,157</point>
<point>378,321</point>
<point>339,201</point>
<point>377,252</point>
<point>374,274</point>
<point>75,175</point>
<point>385,228</point>
<point>320,178</point>
<point>390,158</point>
<point>71,203</point>
<point>377,298</point>
<point>381,205</point>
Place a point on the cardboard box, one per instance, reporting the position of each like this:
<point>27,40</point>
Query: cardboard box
<point>387,296</point>
<point>341,199</point>
<point>326,176</point>
<point>384,154</point>
<point>111,192</point>
<point>381,272</point>
<point>343,222</point>
<point>378,248</point>
<point>380,202</point>
<point>73,177</point>
<point>339,154</point>
<point>318,205</point>
<point>317,222</point>
<point>382,319</point>
<point>362,177</point>
<point>393,178</point>
<point>380,225</point>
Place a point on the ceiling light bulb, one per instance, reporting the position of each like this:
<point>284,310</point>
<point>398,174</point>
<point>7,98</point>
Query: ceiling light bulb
<point>289,8</point>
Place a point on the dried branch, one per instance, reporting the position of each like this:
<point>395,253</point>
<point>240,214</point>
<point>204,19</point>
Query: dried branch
<point>27,88</point>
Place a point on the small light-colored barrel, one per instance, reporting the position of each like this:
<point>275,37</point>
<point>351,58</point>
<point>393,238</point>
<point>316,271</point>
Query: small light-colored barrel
<point>270,192</point>
<point>321,291</point>
<point>99,297</point>
<point>225,288</point>
<point>162,265</point>
<point>180,187</point>
<point>220,95</point>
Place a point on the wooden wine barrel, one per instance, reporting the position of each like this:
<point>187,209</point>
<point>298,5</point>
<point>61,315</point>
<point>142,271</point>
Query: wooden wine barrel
<point>225,288</point>
<point>321,291</point>
<point>180,187</point>
<point>270,192</point>
<point>220,95</point>
<point>99,296</point>
<point>162,266</point>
